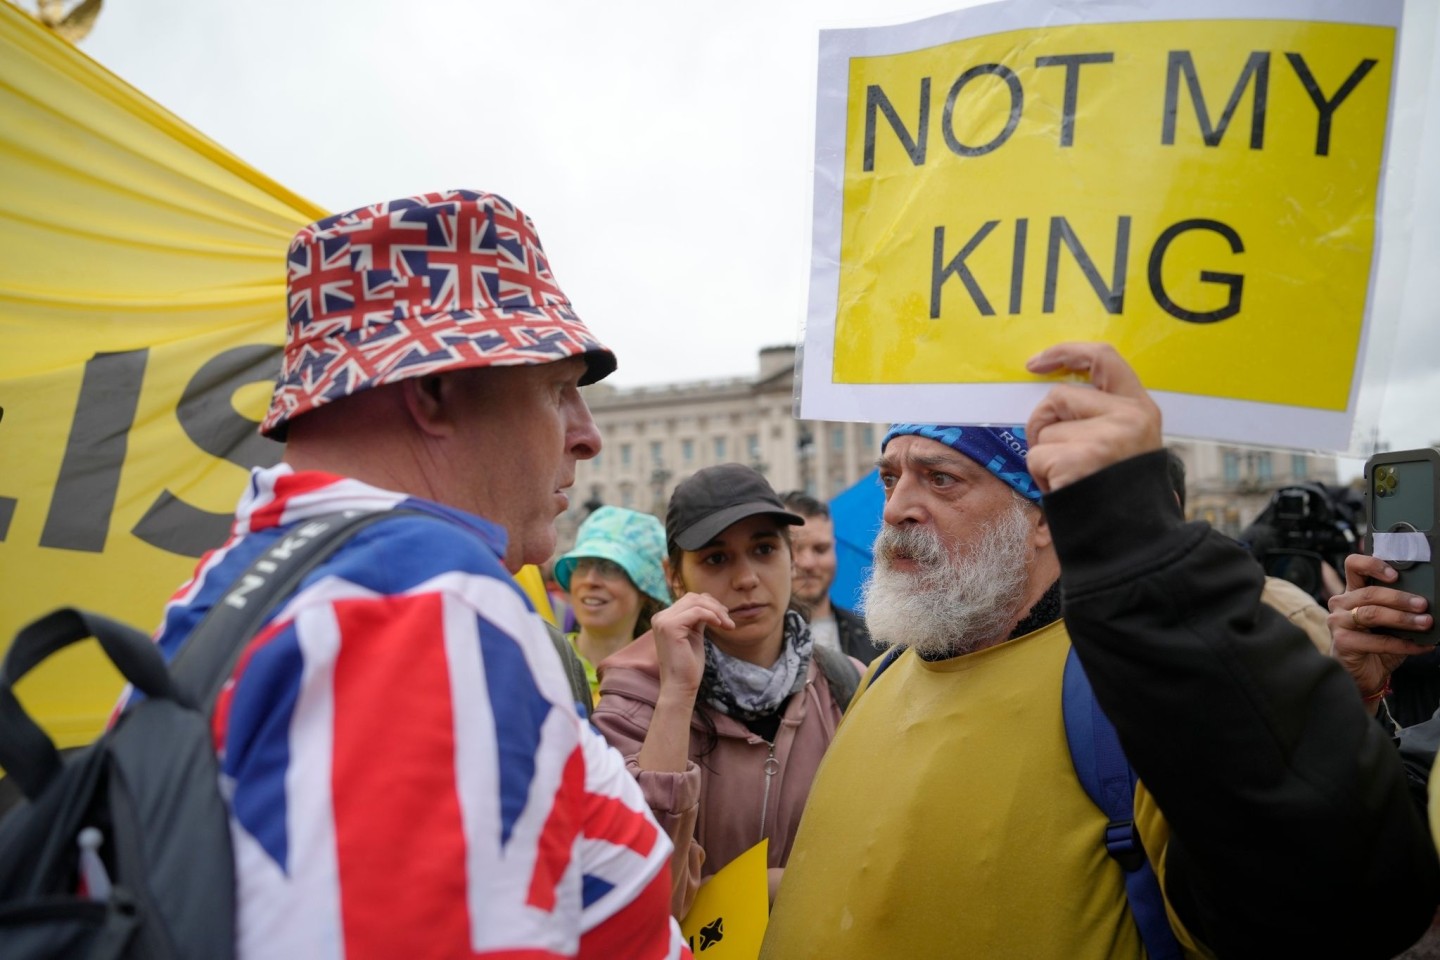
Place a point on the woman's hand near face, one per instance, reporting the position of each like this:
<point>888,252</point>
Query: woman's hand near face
<point>680,640</point>
<point>679,632</point>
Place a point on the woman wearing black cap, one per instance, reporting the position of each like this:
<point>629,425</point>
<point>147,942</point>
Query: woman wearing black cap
<point>724,709</point>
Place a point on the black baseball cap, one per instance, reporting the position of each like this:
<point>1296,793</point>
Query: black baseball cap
<point>707,502</point>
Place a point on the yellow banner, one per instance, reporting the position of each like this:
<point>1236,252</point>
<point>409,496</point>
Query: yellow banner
<point>142,312</point>
<point>141,309</point>
<point>1200,193</point>
<point>728,917</point>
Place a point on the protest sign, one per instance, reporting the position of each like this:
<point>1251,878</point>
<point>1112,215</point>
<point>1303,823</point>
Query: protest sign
<point>1197,184</point>
<point>727,919</point>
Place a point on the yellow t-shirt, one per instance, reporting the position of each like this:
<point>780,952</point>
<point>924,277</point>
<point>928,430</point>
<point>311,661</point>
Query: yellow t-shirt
<point>1434,794</point>
<point>591,677</point>
<point>947,820</point>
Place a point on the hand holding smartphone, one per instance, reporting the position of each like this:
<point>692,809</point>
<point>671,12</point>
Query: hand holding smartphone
<point>1402,501</point>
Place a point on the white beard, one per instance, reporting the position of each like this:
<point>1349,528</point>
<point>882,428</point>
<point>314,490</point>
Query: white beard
<point>950,605</point>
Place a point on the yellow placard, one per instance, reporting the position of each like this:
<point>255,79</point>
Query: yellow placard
<point>1200,193</point>
<point>728,916</point>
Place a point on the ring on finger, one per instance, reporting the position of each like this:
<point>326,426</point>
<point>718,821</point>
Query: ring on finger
<point>1355,619</point>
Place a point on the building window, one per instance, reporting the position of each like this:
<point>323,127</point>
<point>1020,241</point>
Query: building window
<point>655,452</point>
<point>625,456</point>
<point>837,439</point>
<point>1299,466</point>
<point>1264,472</point>
<point>627,498</point>
<point>867,438</point>
<point>720,455</point>
<point>1232,467</point>
<point>752,446</point>
<point>687,450</point>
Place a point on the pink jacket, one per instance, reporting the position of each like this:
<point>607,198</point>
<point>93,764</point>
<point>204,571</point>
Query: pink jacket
<point>722,804</point>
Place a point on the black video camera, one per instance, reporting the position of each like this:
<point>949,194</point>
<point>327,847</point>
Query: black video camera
<point>1304,526</point>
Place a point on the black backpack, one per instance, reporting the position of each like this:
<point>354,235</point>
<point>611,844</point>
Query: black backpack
<point>840,673</point>
<point>147,791</point>
<point>155,878</point>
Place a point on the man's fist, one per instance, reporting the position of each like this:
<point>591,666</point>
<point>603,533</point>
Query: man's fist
<point>1078,430</point>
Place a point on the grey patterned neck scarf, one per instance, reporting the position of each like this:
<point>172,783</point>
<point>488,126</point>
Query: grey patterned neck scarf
<point>748,691</point>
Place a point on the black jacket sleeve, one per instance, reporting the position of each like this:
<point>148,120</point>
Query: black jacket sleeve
<point>1292,833</point>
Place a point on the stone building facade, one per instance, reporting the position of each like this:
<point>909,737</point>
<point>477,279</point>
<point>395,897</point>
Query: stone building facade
<point>1228,486</point>
<point>657,436</point>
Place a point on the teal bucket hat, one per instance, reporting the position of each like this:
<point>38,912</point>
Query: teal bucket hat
<point>634,540</point>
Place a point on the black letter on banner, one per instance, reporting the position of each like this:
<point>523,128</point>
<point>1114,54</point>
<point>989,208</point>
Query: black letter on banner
<point>938,274</point>
<point>1180,62</point>
<point>1017,102</point>
<point>1234,281</point>
<point>211,422</point>
<point>1072,63</point>
<point>84,496</point>
<point>1112,298</point>
<point>915,146</point>
<point>1017,264</point>
<point>1325,107</point>
<point>7,505</point>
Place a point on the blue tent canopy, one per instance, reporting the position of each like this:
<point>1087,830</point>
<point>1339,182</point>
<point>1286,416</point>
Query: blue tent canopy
<point>856,512</point>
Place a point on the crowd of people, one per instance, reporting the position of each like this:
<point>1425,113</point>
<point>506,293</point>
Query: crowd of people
<point>409,771</point>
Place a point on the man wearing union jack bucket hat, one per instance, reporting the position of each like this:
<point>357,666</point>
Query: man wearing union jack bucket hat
<point>399,741</point>
<point>420,285</point>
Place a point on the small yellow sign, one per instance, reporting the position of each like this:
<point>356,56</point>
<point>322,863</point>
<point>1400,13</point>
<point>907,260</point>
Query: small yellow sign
<point>728,917</point>
<point>1200,193</point>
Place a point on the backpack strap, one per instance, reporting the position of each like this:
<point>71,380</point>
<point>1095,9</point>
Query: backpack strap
<point>209,654</point>
<point>840,673</point>
<point>1109,781</point>
<point>574,670</point>
<point>27,754</point>
<point>888,658</point>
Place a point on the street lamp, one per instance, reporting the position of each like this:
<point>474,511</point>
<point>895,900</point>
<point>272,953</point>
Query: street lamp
<point>659,477</point>
<point>804,450</point>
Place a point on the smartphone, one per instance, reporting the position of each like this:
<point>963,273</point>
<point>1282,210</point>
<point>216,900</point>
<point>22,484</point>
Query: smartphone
<point>1402,502</point>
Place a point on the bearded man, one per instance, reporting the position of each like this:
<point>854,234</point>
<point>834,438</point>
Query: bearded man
<point>1271,810</point>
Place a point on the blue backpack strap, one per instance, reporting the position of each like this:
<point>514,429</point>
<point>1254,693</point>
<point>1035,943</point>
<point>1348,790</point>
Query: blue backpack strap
<point>887,658</point>
<point>1108,780</point>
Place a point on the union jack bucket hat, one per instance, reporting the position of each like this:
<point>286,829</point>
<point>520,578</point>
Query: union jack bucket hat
<point>411,287</point>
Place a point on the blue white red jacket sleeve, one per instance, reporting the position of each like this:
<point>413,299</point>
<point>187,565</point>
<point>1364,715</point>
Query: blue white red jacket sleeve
<point>409,778</point>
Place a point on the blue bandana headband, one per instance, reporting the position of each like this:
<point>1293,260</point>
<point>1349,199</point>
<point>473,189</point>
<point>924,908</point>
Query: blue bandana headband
<point>1001,450</point>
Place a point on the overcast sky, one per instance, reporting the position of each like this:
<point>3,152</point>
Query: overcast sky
<point>663,149</point>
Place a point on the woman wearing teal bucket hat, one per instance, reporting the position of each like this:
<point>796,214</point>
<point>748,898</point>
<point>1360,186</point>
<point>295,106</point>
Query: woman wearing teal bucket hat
<point>616,581</point>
